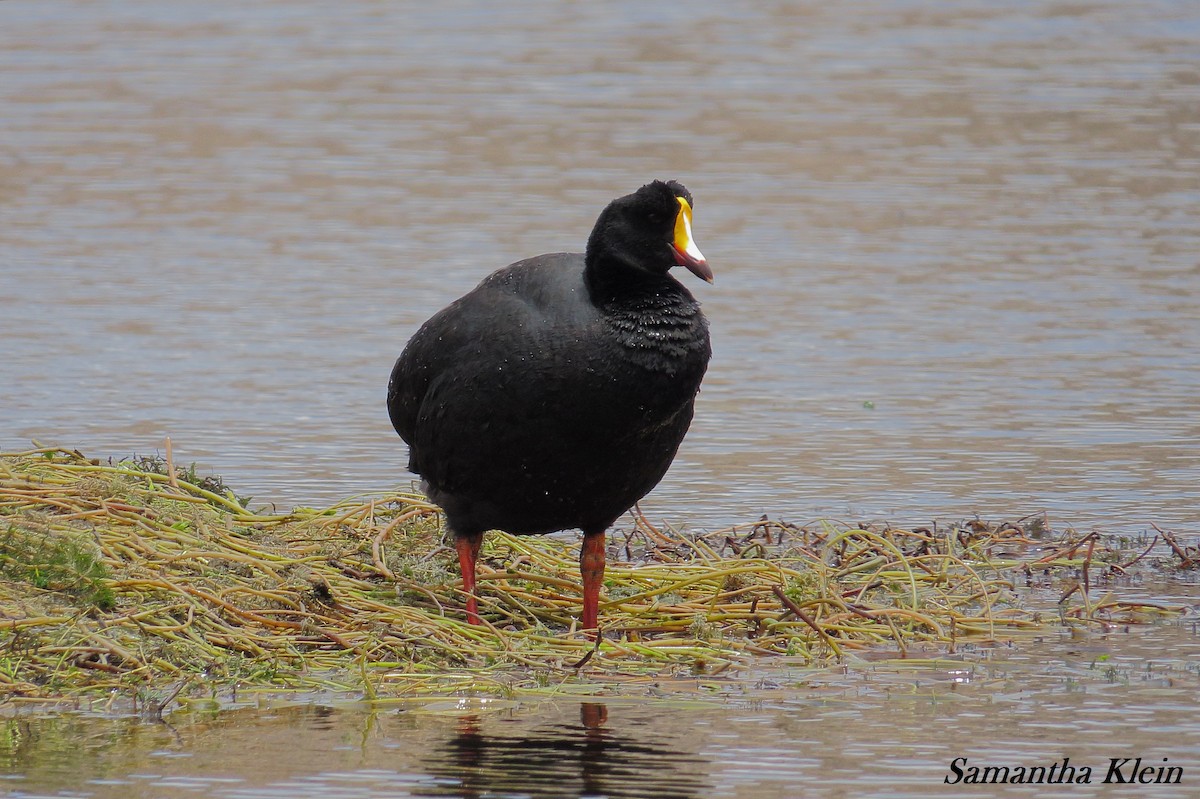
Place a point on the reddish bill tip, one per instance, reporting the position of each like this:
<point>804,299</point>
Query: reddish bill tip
<point>697,266</point>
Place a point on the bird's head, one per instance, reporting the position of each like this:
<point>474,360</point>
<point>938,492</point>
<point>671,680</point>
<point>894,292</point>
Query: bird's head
<point>648,231</point>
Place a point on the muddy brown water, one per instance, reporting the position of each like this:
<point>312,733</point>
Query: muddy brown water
<point>956,249</point>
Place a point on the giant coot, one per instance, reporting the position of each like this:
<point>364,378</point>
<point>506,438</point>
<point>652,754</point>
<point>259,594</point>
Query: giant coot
<point>555,394</point>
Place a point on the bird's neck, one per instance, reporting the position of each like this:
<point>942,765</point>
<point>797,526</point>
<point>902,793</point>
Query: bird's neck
<point>613,282</point>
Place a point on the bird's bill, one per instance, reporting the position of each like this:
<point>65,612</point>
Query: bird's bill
<point>686,252</point>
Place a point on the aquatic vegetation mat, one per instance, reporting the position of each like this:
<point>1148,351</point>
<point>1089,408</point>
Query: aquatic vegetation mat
<point>137,575</point>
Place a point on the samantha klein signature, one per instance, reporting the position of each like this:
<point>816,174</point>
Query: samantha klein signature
<point>1119,770</point>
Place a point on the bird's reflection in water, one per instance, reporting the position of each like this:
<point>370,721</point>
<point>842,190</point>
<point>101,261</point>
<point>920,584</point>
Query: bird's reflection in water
<point>561,760</point>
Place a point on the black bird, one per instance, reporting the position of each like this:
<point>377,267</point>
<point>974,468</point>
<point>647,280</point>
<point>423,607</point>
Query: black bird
<point>555,394</point>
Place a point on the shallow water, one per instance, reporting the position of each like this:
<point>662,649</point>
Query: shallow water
<point>886,729</point>
<point>955,246</point>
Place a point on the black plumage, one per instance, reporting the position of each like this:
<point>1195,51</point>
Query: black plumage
<point>555,394</point>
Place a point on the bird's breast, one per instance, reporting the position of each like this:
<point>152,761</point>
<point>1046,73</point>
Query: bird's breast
<point>661,337</point>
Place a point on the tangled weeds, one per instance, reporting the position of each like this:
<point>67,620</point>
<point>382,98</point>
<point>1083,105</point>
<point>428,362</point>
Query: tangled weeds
<point>137,575</point>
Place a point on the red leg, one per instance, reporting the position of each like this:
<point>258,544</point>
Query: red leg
<point>468,553</point>
<point>591,568</point>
